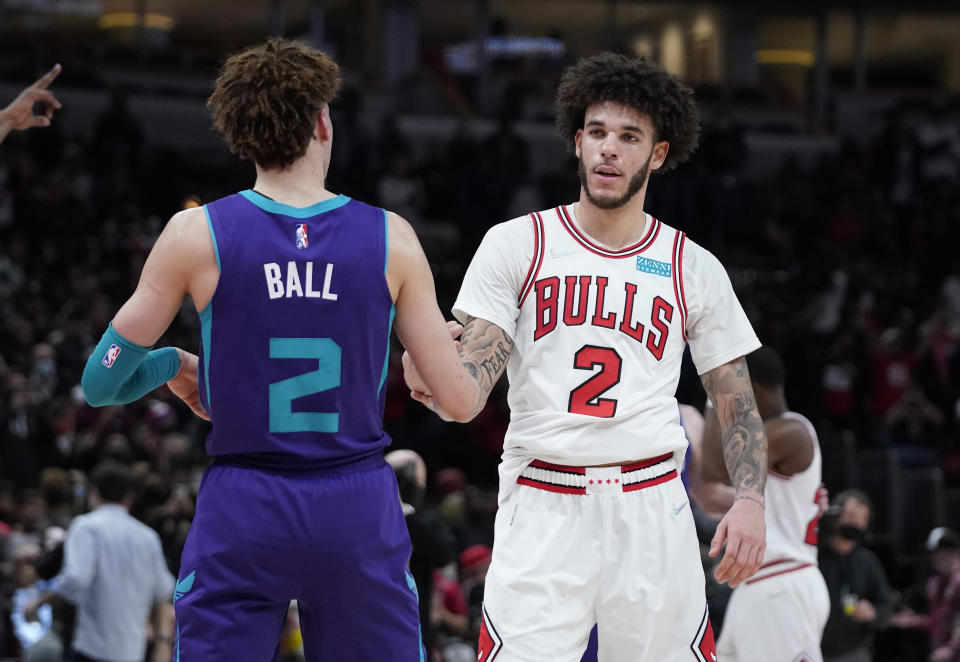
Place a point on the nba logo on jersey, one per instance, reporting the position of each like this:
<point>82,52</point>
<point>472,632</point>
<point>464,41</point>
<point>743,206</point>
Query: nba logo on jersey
<point>111,356</point>
<point>302,241</point>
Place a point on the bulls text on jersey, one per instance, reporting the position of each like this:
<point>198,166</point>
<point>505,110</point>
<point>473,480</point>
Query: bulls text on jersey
<point>574,291</point>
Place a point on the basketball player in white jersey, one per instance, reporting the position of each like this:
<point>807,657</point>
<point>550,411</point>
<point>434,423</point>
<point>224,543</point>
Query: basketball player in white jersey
<point>777,615</point>
<point>588,307</point>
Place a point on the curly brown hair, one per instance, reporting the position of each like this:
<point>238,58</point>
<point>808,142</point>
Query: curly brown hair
<point>639,84</point>
<point>266,99</point>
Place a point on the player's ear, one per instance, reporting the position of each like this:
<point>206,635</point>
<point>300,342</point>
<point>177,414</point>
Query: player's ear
<point>324,129</point>
<point>660,151</point>
<point>576,142</point>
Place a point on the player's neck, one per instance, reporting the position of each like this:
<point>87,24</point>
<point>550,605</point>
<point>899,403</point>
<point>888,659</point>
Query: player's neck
<point>614,228</point>
<point>299,185</point>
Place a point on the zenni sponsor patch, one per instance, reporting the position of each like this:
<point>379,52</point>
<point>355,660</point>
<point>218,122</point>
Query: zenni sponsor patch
<point>654,266</point>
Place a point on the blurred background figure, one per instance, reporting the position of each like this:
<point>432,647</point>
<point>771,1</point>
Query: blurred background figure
<point>939,615</point>
<point>115,574</point>
<point>434,544</point>
<point>860,602</point>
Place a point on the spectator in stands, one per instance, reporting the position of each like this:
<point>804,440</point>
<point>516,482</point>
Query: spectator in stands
<point>859,593</point>
<point>434,544</point>
<point>115,573</point>
<point>942,619</point>
<point>943,595</point>
<point>474,563</point>
<point>20,114</point>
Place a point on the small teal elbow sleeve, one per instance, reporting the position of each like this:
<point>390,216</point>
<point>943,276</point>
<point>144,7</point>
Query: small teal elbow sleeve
<point>120,371</point>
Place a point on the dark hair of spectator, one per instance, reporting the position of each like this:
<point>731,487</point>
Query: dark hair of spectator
<point>112,481</point>
<point>266,100</point>
<point>766,367</point>
<point>55,486</point>
<point>636,83</point>
<point>856,495</point>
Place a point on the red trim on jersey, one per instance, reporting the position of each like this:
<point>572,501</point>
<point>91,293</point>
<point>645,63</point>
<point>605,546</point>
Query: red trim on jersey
<point>643,464</point>
<point>653,230</point>
<point>779,572</point>
<point>678,280</point>
<point>643,484</point>
<point>773,563</point>
<point>540,464</point>
<point>536,261</point>
<point>550,487</point>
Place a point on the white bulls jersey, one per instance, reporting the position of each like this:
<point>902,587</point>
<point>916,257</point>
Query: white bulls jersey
<point>598,336</point>
<point>792,509</point>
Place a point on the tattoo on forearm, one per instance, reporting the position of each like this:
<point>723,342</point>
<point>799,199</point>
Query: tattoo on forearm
<point>485,350</point>
<point>743,439</point>
<point>495,362</point>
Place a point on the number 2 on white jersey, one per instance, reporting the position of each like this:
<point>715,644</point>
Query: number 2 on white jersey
<point>585,399</point>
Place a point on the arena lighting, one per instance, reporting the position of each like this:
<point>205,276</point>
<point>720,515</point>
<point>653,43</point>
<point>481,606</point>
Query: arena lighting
<point>785,56</point>
<point>132,20</point>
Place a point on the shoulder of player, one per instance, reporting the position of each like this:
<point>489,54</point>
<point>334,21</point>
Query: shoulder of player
<point>697,259</point>
<point>401,233</point>
<point>516,230</point>
<point>788,430</point>
<point>186,240</point>
<point>791,448</point>
<point>188,227</point>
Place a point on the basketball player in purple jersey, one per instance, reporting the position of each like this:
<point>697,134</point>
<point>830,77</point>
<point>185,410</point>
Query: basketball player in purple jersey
<point>297,289</point>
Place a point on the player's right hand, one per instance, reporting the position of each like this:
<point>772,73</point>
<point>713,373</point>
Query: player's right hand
<point>20,111</point>
<point>418,388</point>
<point>744,530</point>
<point>184,383</point>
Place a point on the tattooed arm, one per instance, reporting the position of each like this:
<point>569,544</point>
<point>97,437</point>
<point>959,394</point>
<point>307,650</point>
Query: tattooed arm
<point>742,438</point>
<point>484,350</point>
<point>744,448</point>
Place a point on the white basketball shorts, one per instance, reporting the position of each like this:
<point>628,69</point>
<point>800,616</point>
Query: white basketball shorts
<point>778,615</point>
<point>615,546</point>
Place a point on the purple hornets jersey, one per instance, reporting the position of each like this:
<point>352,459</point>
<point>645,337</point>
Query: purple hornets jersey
<point>296,338</point>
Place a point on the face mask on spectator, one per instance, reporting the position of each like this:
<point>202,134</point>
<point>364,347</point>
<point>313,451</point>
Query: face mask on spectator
<point>851,532</point>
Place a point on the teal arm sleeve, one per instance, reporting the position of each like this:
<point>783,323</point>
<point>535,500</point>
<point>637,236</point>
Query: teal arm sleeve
<point>120,371</point>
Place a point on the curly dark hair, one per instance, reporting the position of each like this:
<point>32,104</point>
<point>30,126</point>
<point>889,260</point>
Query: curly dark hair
<point>266,99</point>
<point>639,84</point>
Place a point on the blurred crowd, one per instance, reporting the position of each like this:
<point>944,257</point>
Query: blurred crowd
<point>845,265</point>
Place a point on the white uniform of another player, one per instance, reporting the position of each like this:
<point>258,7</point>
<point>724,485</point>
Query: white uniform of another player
<point>778,615</point>
<point>598,340</point>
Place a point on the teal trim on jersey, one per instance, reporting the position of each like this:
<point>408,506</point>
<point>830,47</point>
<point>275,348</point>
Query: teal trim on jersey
<point>386,242</point>
<point>274,207</point>
<point>412,585</point>
<point>213,236</point>
<point>386,358</point>
<point>206,325</point>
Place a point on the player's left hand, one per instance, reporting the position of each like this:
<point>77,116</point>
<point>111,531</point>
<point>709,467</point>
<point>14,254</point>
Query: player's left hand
<point>184,383</point>
<point>744,530</point>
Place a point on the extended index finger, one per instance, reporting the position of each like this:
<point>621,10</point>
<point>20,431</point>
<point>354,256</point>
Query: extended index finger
<point>44,81</point>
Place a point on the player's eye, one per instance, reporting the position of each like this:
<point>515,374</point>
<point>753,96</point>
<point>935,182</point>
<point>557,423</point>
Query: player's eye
<point>596,133</point>
<point>631,138</point>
